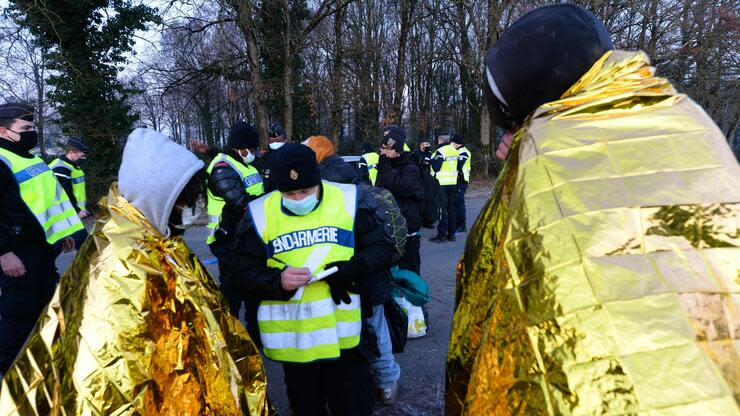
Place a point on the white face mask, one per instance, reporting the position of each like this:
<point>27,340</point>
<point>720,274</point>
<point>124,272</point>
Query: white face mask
<point>276,145</point>
<point>189,216</point>
<point>301,207</point>
<point>249,158</point>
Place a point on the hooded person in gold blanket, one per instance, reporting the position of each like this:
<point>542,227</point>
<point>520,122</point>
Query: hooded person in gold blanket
<point>137,326</point>
<point>602,275</point>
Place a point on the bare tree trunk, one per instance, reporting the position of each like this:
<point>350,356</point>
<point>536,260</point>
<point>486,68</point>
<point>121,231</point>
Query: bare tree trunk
<point>336,81</point>
<point>288,73</point>
<point>407,10</point>
<point>244,21</point>
<point>466,66</point>
<point>485,138</point>
<point>40,107</point>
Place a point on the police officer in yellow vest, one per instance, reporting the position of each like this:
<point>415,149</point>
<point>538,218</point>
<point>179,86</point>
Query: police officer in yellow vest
<point>369,164</point>
<point>232,183</point>
<point>35,213</point>
<point>463,178</point>
<point>444,168</point>
<point>70,175</point>
<point>309,321</point>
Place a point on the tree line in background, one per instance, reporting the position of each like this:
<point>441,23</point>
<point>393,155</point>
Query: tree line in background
<point>342,68</point>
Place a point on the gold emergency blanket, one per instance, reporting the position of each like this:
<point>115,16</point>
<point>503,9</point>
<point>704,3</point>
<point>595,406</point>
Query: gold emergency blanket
<point>603,275</point>
<point>137,326</point>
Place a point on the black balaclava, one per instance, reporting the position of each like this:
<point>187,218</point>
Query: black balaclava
<point>539,57</point>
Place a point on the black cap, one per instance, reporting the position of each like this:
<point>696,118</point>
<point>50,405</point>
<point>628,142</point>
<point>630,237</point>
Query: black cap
<point>542,55</point>
<point>11,111</point>
<point>394,129</point>
<point>367,147</point>
<point>79,144</point>
<point>395,140</point>
<point>457,138</point>
<point>243,136</point>
<point>294,167</point>
<point>276,130</point>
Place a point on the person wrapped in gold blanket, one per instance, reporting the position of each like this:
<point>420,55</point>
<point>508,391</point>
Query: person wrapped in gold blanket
<point>603,275</point>
<point>137,326</point>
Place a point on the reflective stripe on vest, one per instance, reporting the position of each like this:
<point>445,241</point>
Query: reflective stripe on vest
<point>43,195</point>
<point>77,177</point>
<point>447,174</point>
<point>467,165</point>
<point>252,185</point>
<point>372,159</point>
<point>309,326</point>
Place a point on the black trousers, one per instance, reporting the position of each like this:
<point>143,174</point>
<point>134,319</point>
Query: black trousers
<point>411,259</point>
<point>225,267</point>
<point>462,187</point>
<point>345,385</point>
<point>448,218</point>
<point>225,257</point>
<point>23,299</point>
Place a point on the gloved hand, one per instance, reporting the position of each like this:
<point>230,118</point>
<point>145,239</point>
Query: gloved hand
<point>340,283</point>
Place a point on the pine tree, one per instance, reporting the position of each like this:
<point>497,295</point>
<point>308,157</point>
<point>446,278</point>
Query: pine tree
<point>84,43</point>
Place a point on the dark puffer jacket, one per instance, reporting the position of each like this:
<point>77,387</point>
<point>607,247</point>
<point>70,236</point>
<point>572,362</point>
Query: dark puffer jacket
<point>226,183</point>
<point>401,176</point>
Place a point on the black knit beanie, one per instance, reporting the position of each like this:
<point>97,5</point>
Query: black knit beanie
<point>243,136</point>
<point>294,167</point>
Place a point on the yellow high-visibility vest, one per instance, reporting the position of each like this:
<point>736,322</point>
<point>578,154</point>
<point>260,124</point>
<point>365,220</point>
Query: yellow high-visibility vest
<point>467,165</point>
<point>43,195</point>
<point>309,326</point>
<point>252,185</point>
<point>447,174</point>
<point>372,159</point>
<point>77,177</point>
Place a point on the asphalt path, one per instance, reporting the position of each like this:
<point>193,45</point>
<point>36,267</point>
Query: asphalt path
<point>421,390</point>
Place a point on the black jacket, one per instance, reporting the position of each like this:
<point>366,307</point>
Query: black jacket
<point>16,220</point>
<point>226,183</point>
<point>372,258</point>
<point>335,169</point>
<point>262,164</point>
<point>64,176</point>
<point>401,176</point>
<point>424,159</point>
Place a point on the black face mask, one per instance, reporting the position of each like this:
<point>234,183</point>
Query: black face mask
<point>28,140</point>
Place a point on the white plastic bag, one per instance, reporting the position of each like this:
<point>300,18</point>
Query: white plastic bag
<point>417,324</point>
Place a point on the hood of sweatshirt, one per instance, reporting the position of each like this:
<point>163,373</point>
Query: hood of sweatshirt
<point>153,172</point>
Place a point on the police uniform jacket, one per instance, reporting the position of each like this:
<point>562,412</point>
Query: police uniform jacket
<point>63,175</point>
<point>373,256</point>
<point>225,183</point>
<point>16,220</point>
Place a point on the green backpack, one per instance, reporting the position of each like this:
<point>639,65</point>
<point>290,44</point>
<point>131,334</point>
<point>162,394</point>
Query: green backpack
<point>387,213</point>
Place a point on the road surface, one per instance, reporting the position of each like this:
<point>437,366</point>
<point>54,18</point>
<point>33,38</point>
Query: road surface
<point>421,389</point>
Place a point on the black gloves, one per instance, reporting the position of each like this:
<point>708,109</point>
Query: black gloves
<point>341,282</point>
